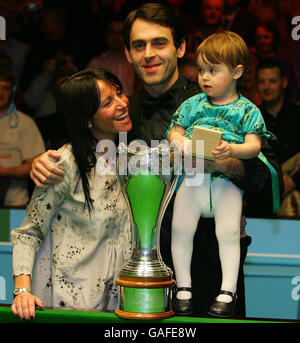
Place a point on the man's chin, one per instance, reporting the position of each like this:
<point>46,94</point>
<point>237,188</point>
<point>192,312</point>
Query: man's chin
<point>269,102</point>
<point>152,80</point>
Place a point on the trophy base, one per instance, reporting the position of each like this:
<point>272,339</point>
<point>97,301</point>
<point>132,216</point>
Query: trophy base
<point>144,316</point>
<point>144,298</point>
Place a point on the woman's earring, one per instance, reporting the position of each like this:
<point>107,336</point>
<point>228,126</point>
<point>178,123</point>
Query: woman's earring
<point>90,124</point>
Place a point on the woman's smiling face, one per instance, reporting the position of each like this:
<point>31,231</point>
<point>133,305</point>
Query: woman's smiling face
<point>112,115</point>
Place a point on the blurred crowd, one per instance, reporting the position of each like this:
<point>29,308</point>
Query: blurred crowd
<point>47,40</point>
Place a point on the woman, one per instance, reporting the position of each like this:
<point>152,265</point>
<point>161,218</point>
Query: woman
<point>76,234</point>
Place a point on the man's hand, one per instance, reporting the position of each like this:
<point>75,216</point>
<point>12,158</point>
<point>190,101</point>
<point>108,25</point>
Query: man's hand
<point>44,172</point>
<point>231,167</point>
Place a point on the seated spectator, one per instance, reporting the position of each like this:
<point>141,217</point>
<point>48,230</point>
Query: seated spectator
<point>6,66</point>
<point>20,142</point>
<point>55,39</point>
<point>238,19</point>
<point>280,13</point>
<point>114,58</point>
<point>266,46</point>
<point>211,12</point>
<point>184,10</point>
<point>282,117</point>
<point>17,50</point>
<point>40,94</point>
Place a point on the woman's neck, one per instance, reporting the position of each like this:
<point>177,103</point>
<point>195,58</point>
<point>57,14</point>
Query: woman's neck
<point>103,136</point>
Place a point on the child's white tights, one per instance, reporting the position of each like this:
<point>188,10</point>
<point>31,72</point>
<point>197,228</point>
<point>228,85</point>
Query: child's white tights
<point>192,202</point>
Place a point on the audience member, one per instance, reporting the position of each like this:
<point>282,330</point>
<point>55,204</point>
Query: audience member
<point>28,21</point>
<point>266,45</point>
<point>114,59</point>
<point>211,13</point>
<point>17,50</point>
<point>253,6</point>
<point>6,66</point>
<point>279,13</point>
<point>40,94</point>
<point>41,97</point>
<point>282,117</point>
<point>238,19</point>
<point>20,142</point>
<point>184,11</point>
<point>56,38</point>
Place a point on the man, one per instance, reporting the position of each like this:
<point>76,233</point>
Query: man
<point>154,42</point>
<point>20,142</point>
<point>282,117</point>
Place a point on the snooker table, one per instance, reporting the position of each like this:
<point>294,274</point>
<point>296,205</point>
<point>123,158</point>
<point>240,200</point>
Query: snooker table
<point>67,315</point>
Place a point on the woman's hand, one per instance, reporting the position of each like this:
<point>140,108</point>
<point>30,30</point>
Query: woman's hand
<point>223,150</point>
<point>24,305</point>
<point>44,172</point>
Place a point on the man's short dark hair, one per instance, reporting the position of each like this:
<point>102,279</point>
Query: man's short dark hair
<point>154,13</point>
<point>269,63</point>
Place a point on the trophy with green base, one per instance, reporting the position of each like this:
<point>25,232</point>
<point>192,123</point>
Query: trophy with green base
<point>148,182</point>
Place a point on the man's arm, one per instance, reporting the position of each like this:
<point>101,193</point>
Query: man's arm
<point>257,182</point>
<point>232,167</point>
<point>44,172</point>
<point>253,177</point>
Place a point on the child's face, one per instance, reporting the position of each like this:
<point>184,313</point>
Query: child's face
<point>218,81</point>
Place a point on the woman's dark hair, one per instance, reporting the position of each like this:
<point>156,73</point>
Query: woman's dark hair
<point>154,13</point>
<point>78,99</point>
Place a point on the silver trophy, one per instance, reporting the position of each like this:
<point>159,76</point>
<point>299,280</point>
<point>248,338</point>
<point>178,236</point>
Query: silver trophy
<point>148,183</point>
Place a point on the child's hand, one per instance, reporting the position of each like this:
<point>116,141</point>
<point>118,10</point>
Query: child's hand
<point>186,142</point>
<point>222,151</point>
